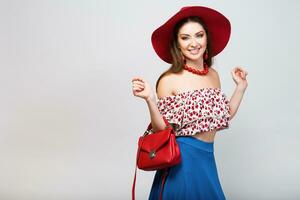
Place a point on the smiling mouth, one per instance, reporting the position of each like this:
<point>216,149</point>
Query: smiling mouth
<point>194,51</point>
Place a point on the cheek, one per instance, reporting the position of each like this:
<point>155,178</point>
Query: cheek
<point>184,44</point>
<point>202,41</point>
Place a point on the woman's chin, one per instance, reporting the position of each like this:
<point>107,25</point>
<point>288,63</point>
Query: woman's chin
<point>193,57</point>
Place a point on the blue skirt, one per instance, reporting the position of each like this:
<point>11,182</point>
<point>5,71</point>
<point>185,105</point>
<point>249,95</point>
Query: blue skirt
<point>195,178</point>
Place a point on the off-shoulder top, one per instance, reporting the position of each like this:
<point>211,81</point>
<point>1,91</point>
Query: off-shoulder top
<point>196,111</point>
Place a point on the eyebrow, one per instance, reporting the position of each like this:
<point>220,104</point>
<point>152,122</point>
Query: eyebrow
<point>195,33</point>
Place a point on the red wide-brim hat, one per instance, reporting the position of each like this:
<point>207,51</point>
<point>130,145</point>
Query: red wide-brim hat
<point>217,24</point>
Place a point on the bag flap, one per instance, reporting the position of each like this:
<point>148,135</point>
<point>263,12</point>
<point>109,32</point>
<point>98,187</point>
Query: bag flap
<point>155,140</point>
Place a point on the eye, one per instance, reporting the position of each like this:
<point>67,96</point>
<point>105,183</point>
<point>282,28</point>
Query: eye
<point>184,38</point>
<point>200,35</point>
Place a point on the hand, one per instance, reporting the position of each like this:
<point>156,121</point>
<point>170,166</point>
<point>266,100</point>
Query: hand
<point>239,77</point>
<point>142,88</point>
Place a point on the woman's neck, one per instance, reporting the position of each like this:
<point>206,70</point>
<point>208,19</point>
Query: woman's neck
<point>198,64</point>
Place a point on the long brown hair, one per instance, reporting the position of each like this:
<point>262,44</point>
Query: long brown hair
<point>177,61</point>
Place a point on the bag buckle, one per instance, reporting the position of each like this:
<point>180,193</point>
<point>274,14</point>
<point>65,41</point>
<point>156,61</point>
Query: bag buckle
<point>152,154</point>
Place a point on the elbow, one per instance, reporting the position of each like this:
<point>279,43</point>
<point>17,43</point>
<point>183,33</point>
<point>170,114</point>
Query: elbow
<point>231,112</point>
<point>231,115</point>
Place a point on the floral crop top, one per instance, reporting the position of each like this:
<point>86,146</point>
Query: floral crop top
<point>196,111</point>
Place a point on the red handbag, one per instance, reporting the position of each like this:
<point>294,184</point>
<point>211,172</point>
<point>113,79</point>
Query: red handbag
<point>156,151</point>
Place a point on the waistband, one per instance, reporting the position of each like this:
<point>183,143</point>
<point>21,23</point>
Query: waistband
<point>197,143</point>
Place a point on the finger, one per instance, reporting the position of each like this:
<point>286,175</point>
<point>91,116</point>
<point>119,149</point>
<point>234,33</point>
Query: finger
<point>138,78</point>
<point>236,71</point>
<point>138,88</point>
<point>134,83</point>
<point>233,74</point>
<point>140,83</point>
<point>240,71</point>
<point>135,78</point>
<point>237,74</point>
<point>241,75</point>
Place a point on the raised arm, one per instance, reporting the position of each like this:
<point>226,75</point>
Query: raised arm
<point>239,77</point>
<point>142,89</point>
<point>163,89</point>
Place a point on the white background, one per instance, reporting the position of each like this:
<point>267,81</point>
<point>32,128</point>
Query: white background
<point>69,122</point>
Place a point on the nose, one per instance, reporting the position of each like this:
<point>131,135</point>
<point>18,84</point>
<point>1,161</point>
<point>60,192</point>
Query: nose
<point>194,42</point>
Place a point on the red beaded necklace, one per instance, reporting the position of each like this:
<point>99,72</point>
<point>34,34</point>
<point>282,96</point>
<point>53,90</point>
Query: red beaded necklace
<point>196,71</point>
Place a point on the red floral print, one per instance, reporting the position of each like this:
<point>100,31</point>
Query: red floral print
<point>196,110</point>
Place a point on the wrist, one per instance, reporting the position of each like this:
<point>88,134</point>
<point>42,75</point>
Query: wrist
<point>150,99</point>
<point>241,88</point>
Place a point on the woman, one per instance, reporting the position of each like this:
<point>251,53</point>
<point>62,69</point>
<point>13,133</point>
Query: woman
<point>190,98</point>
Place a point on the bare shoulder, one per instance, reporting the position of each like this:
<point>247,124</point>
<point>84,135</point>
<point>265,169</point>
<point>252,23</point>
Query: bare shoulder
<point>215,76</point>
<point>165,85</point>
<point>214,72</point>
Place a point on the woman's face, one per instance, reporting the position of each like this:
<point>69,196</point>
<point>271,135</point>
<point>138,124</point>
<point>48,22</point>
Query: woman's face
<point>192,40</point>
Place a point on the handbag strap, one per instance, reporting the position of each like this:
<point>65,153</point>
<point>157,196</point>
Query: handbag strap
<point>150,125</point>
<point>164,176</point>
<point>134,180</point>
